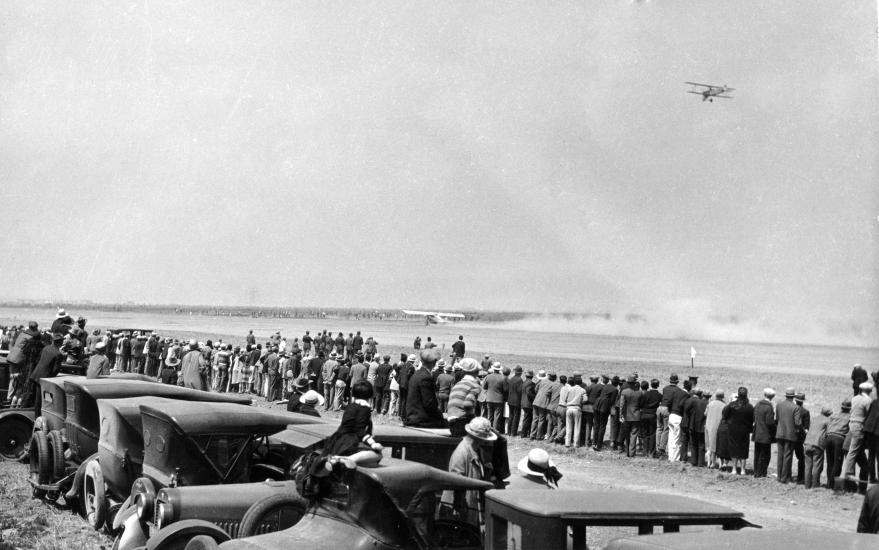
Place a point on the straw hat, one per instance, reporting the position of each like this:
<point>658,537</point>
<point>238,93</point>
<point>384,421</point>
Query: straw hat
<point>480,428</point>
<point>536,458</point>
<point>312,397</point>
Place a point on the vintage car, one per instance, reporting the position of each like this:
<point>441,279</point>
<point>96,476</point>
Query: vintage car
<point>536,519</point>
<point>59,456</point>
<point>749,540</point>
<point>397,504</point>
<point>180,513</point>
<point>16,424</point>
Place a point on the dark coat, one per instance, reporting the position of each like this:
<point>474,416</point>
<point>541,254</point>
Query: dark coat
<point>868,522</point>
<point>496,388</point>
<point>649,403</point>
<point>688,411</point>
<point>764,422</point>
<point>406,371</point>
<point>630,403</point>
<point>49,363</point>
<point>422,407</point>
<point>382,375</point>
<point>784,419</point>
<point>528,393</point>
<point>514,397</point>
<point>739,416</point>
<point>607,399</point>
<point>696,409</point>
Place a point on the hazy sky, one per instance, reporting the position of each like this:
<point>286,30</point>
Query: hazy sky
<point>540,156</point>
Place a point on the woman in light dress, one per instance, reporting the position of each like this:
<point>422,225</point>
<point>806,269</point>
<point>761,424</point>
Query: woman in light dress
<point>713,415</point>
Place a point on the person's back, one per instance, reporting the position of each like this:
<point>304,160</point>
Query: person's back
<point>496,387</point>
<point>444,383</point>
<point>358,372</point>
<point>785,427</point>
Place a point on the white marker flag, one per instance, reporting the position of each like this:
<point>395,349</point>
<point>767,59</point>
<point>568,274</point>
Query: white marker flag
<point>692,352</point>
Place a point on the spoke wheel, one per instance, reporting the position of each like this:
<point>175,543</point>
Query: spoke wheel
<point>94,500</point>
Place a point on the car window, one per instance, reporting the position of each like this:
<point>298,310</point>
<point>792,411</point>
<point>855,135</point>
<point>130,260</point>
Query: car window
<point>443,525</point>
<point>225,454</point>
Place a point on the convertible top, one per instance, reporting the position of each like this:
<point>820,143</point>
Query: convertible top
<point>311,436</point>
<point>117,387</point>
<point>597,504</point>
<point>224,418</point>
<point>747,539</point>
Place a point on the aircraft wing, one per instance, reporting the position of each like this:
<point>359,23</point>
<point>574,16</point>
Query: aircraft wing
<point>413,312</point>
<point>452,315</point>
<point>724,96</point>
<point>705,85</point>
<point>692,92</point>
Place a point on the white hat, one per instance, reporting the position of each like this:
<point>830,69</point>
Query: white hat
<point>541,374</point>
<point>61,313</point>
<point>866,386</point>
<point>536,458</point>
<point>480,428</point>
<point>311,397</point>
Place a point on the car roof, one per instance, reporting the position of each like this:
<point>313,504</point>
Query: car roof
<point>747,539</point>
<point>595,504</point>
<point>110,388</point>
<point>311,435</point>
<point>204,418</point>
<point>403,479</point>
<point>129,407</point>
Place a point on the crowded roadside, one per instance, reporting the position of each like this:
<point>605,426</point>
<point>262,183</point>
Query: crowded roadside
<point>660,417</point>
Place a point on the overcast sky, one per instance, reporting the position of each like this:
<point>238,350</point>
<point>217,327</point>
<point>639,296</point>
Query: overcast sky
<point>539,156</point>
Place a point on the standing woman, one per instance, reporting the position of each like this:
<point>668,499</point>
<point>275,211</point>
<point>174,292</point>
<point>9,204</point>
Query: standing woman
<point>739,416</point>
<point>712,424</point>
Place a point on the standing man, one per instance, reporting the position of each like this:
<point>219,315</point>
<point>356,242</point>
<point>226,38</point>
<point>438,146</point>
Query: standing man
<point>859,376</point>
<point>514,400</point>
<point>48,365</point>
<point>764,432</point>
<point>860,408</point>
<point>359,371</point>
<point>814,449</point>
<point>422,409</point>
<point>251,339</point>
<point>328,372</point>
<point>540,403</point>
<point>837,430</point>
<point>650,399</point>
<point>497,388</point>
<point>593,392</point>
<point>123,352</point>
<point>358,342</point>
<point>273,368</point>
<point>785,435</point>
<point>138,343</point>
<point>630,402</point>
<point>459,347</point>
<point>573,402</point>
<point>444,383</point>
<point>381,383</point>
<point>677,396</point>
<point>697,430</point>
<point>306,343</point>
<point>486,362</point>
<point>802,421</point>
<point>528,394</point>
<point>407,369</point>
<point>606,401</point>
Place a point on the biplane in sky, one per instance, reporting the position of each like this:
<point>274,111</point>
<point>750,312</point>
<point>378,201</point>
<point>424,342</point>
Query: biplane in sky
<point>710,91</point>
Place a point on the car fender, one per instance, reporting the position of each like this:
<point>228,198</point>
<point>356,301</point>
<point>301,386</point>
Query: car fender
<point>73,493</point>
<point>133,534</point>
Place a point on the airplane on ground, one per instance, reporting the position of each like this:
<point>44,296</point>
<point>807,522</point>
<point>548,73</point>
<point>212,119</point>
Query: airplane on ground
<point>711,91</point>
<point>434,317</point>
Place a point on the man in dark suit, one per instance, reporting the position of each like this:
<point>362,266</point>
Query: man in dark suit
<point>606,401</point>
<point>786,435</point>
<point>764,432</point>
<point>696,409</point>
<point>650,398</point>
<point>497,388</point>
<point>802,421</point>
<point>514,400</point>
<point>630,413</point>
<point>422,407</point>
<point>407,369</point>
<point>48,365</point>
<point>587,424</point>
<point>528,394</point>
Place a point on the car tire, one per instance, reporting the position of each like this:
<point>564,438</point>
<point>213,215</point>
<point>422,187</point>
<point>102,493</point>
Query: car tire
<point>13,441</point>
<point>56,451</point>
<point>288,510</point>
<point>40,462</point>
<point>94,495</point>
<point>202,542</point>
<point>178,535</point>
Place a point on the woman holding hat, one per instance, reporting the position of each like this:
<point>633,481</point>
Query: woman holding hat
<point>536,471</point>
